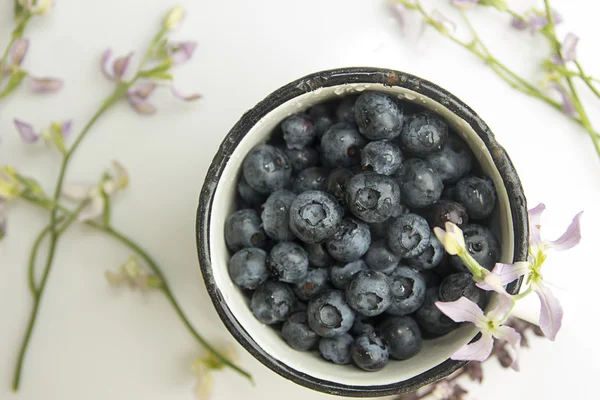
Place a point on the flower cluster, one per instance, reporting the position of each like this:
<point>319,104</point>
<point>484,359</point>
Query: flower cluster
<point>132,274</point>
<point>492,323</point>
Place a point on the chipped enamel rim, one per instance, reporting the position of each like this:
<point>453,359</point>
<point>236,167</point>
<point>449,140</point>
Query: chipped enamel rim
<point>217,201</point>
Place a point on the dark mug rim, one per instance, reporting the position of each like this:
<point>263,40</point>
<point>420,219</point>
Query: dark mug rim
<point>312,82</point>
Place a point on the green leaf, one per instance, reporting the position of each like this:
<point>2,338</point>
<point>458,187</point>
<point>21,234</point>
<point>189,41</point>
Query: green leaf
<point>14,81</point>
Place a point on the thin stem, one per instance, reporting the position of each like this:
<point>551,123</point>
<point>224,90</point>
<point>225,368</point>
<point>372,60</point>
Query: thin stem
<point>587,79</point>
<point>521,296</point>
<point>16,34</point>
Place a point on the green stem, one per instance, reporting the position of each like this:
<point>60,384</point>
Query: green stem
<point>589,81</point>
<point>521,296</point>
<point>16,34</point>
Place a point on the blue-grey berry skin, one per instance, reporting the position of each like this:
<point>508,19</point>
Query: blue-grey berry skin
<point>329,315</point>
<point>288,262</point>
<point>298,131</point>
<point>248,195</point>
<point>430,258</point>
<point>318,255</point>
<point>430,319</point>
<point>351,241</point>
<point>315,216</point>
<point>454,161</point>
<point>419,184</point>
<point>379,230</point>
<point>266,169</point>
<point>378,116</point>
<point>342,275</point>
<point>345,109</point>
<point>313,178</point>
<point>243,229</point>
<point>336,184</point>
<point>369,293</point>
<point>341,146</point>
<point>248,268</point>
<point>337,350</point>
<point>372,197</point>
<point>276,216</point>
<point>482,244</point>
<point>302,158</point>
<point>297,334</point>
<point>382,157</point>
<point>362,325</point>
<point>408,235</point>
<point>478,195</point>
<point>459,285</point>
<point>431,279</point>
<point>402,336</point>
<point>323,117</point>
<point>447,211</point>
<point>317,281</point>
<point>408,291</point>
<point>369,352</point>
<point>272,302</point>
<point>424,133</point>
<point>380,258</point>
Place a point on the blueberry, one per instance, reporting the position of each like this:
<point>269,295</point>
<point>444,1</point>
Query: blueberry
<point>248,195</point>
<point>317,281</point>
<point>447,211</point>
<point>302,158</point>
<point>478,195</point>
<point>382,157</point>
<point>322,115</point>
<point>243,229</point>
<point>432,279</point>
<point>329,315</point>
<point>454,161</point>
<point>402,336</point>
<point>351,241</point>
<point>336,184</point>
<point>408,291</point>
<point>380,258</point>
<point>430,318</point>
<point>460,285</point>
<point>288,262</point>
<point>481,244</point>
<point>345,109</point>
<point>266,169</point>
<point>276,216</point>
<point>369,352</point>
<point>318,255</point>
<point>297,334</point>
<point>424,133</point>
<point>315,216</point>
<point>372,197</point>
<point>248,268</point>
<point>419,184</point>
<point>362,325</point>
<point>431,257</point>
<point>341,146</point>
<point>313,178</point>
<point>272,302</point>
<point>380,229</point>
<point>337,350</point>
<point>298,131</point>
<point>408,235</point>
<point>378,116</point>
<point>341,276</point>
<point>369,293</point>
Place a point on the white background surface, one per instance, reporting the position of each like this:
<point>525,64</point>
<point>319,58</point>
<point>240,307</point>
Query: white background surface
<point>94,343</point>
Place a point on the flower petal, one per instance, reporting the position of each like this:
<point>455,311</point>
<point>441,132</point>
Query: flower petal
<point>462,310</point>
<point>570,238</point>
<point>182,52</point>
<point>26,131</point>
<point>77,190</point>
<point>551,313</point>
<point>535,217</point>
<point>191,97</point>
<point>567,104</point>
<point>122,176</point>
<point>121,65</point>
<point>464,3</point>
<point>519,24</point>
<point>105,64</point>
<point>502,308</point>
<point>204,387</point>
<point>569,47</point>
<point>19,51</point>
<point>144,90</point>
<point>492,282</point>
<point>513,338</point>
<point>506,273</point>
<point>478,351</point>
<point>536,23</point>
<point>400,13</point>
<point>45,85</point>
<point>93,210</point>
<point>65,128</point>
<point>141,106</point>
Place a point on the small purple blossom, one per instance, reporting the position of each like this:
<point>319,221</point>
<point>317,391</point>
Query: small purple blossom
<point>117,70</point>
<point>567,104</point>
<point>45,85</point>
<point>30,135</point>
<point>569,47</point>
<point>535,21</point>
<point>179,95</point>
<point>19,51</point>
<point>181,52</point>
<point>138,98</point>
<point>467,4</point>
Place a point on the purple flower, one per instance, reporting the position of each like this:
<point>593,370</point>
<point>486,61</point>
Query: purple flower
<point>535,21</point>
<point>117,70</point>
<point>567,104</point>
<point>464,3</point>
<point>181,52</point>
<point>30,135</point>
<point>138,98</point>
<point>179,95</point>
<point>45,85</point>
<point>490,325</point>
<point>19,51</point>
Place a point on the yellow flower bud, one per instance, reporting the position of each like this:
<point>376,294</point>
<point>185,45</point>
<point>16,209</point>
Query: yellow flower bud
<point>174,18</point>
<point>9,184</point>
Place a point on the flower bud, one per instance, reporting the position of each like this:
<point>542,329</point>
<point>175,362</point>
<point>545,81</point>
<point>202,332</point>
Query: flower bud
<point>173,18</point>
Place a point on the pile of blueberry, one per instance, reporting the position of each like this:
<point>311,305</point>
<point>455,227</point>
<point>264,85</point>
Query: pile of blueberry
<point>333,238</point>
